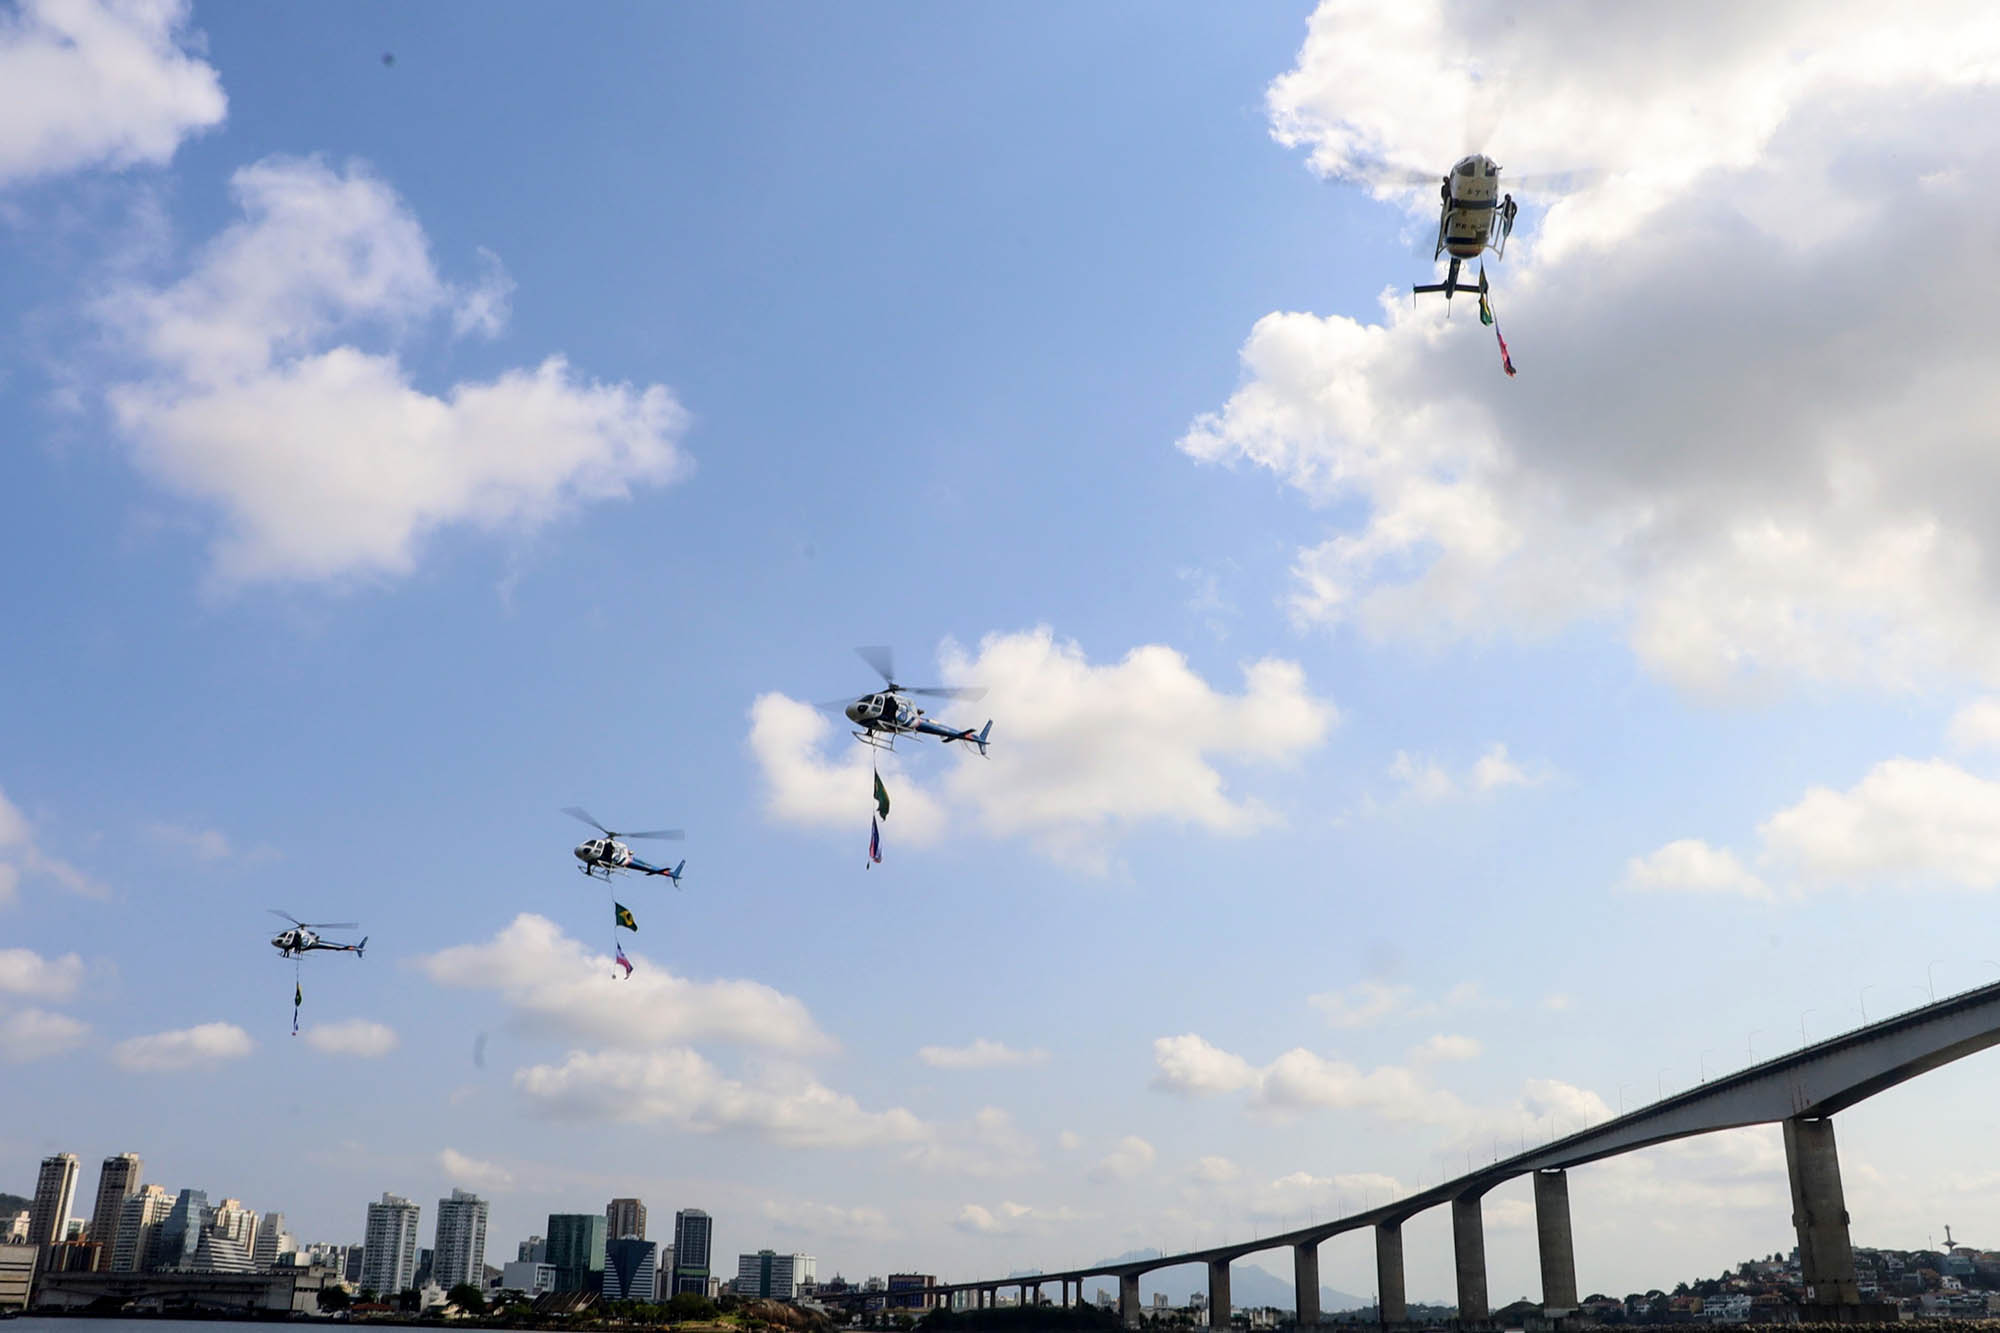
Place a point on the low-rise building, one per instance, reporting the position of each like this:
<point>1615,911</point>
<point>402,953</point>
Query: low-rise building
<point>17,1273</point>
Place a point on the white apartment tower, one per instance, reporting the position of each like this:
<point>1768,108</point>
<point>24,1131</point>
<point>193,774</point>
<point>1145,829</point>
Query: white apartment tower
<point>459,1252</point>
<point>389,1254</point>
<point>138,1230</point>
<point>272,1241</point>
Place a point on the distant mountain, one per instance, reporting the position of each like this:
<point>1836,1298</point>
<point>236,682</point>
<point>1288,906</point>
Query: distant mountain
<point>13,1203</point>
<point>1248,1285</point>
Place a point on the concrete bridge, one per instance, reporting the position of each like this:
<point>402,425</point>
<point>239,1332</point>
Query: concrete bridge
<point>1801,1091</point>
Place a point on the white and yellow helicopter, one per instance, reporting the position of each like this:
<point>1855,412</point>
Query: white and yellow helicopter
<point>1474,216</point>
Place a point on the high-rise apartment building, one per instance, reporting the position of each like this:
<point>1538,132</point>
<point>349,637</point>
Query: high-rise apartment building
<point>533,1250</point>
<point>576,1248</point>
<point>773,1276</point>
<point>389,1254</point>
<point>117,1181</point>
<point>138,1247</point>
<point>459,1252</point>
<point>55,1187</point>
<point>272,1240</point>
<point>180,1233</point>
<point>630,1269</point>
<point>235,1223</point>
<point>625,1217</point>
<point>693,1231</point>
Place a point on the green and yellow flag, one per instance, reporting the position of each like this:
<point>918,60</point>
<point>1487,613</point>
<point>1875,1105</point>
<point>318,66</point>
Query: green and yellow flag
<point>881,797</point>
<point>622,916</point>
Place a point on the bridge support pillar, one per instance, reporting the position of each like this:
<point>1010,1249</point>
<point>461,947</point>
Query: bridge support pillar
<point>1305,1281</point>
<point>1557,1247</point>
<point>1389,1273</point>
<point>1468,1245</point>
<point>1128,1299</point>
<point>1218,1293</point>
<point>1819,1212</point>
<point>989,1297</point>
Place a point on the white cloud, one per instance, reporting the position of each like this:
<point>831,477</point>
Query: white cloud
<point>980,1054</point>
<point>95,83</point>
<point>1011,1219</point>
<point>555,986</point>
<point>353,1036</point>
<point>1069,1140</point>
<point>1426,779</point>
<point>1976,726</point>
<point>1284,1199</point>
<point>820,1219</point>
<point>1692,866</point>
<point>21,856</point>
<point>1495,770</point>
<point>1684,456</point>
<point>32,1034</point>
<point>989,1145</point>
<point>197,1047</point>
<point>25,972</point>
<point>474,1173</point>
<point>323,459</point>
<point>1445,1046</point>
<point>1421,777</point>
<point>1130,1158</point>
<point>681,1089</point>
<point>1080,752</point>
<point>1191,1064</point>
<point>1215,1171</point>
<point>202,844</point>
<point>1907,820</point>
<point>1367,1003</point>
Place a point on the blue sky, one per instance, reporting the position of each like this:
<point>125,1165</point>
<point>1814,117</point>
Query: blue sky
<point>1504,750</point>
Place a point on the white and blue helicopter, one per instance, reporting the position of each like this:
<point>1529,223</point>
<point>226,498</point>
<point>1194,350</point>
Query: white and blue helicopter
<point>303,937</point>
<point>887,714</point>
<point>601,856</point>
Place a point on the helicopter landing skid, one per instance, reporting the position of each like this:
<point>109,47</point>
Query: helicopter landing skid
<point>877,739</point>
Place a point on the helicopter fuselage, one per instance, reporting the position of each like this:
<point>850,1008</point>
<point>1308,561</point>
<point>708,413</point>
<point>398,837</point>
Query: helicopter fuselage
<point>291,942</point>
<point>889,712</point>
<point>601,856</point>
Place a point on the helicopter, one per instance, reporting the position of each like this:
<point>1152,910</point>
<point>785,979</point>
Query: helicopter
<point>1471,221</point>
<point>887,714</point>
<point>601,856</point>
<point>303,937</point>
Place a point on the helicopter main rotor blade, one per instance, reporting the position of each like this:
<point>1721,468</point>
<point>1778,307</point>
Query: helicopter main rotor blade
<point>285,915</point>
<point>578,812</point>
<point>835,705</point>
<point>331,925</point>
<point>1557,182</point>
<point>951,692</point>
<point>882,659</point>
<point>669,834</point>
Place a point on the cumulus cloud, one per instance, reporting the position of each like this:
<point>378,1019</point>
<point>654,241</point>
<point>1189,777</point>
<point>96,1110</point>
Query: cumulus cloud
<point>1906,823</point>
<point>989,1144</point>
<point>1299,1080</point>
<point>22,858</point>
<point>323,459</point>
<point>1011,1219</point>
<point>1690,865</point>
<point>1445,1046</point>
<point>682,1089</point>
<point>100,83</point>
<point>1976,726</point>
<point>1190,1063</point>
<point>1080,752</point>
<point>1367,1003</point>
<point>471,1171</point>
<point>1686,456</point>
<point>199,1047</point>
<point>353,1036</point>
<point>1284,1199</point>
<point>202,844</point>
<point>980,1054</point>
<point>1130,1158</point>
<point>1215,1171</point>
<point>1907,820</point>
<point>25,972</point>
<point>821,1219</point>
<point>32,1034</point>
<point>554,986</point>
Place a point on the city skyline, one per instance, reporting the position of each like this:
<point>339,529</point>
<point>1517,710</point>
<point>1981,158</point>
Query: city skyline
<point>1394,762</point>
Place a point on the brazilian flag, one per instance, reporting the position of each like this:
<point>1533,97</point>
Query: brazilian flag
<point>881,797</point>
<point>622,916</point>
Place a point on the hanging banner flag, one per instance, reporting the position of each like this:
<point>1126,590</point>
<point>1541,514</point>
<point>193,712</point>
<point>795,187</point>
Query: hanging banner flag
<point>1506,361</point>
<point>874,841</point>
<point>881,797</point>
<point>298,998</point>
<point>621,916</point>
<point>1485,306</point>
<point>623,961</point>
